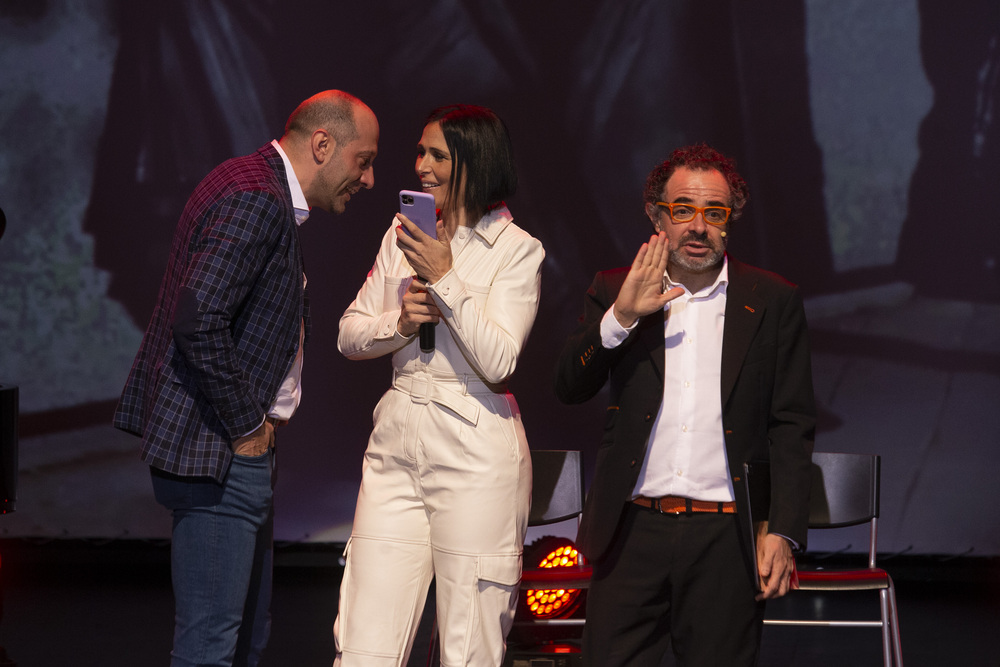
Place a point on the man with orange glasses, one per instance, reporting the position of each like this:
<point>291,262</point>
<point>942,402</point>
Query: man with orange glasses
<point>709,367</point>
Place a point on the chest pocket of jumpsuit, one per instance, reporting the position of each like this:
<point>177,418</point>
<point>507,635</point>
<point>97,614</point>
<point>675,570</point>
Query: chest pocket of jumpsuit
<point>479,294</point>
<point>394,287</point>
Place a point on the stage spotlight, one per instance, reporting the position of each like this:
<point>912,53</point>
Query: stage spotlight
<point>552,552</point>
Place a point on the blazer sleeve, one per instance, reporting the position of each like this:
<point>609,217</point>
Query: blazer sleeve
<point>584,364</point>
<point>792,424</point>
<point>235,242</point>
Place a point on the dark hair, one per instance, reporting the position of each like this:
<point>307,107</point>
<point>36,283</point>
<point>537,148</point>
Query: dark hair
<point>699,157</point>
<point>481,156</point>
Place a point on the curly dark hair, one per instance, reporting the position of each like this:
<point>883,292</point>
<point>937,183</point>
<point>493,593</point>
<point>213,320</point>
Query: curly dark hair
<point>699,157</point>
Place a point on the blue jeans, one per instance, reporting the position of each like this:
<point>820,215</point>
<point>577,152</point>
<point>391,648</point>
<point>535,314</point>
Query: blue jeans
<point>221,562</point>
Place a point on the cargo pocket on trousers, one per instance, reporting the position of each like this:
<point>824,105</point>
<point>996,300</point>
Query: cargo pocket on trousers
<point>502,570</point>
<point>493,613</point>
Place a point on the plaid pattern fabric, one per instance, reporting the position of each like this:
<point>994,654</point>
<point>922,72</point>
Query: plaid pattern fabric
<point>226,325</point>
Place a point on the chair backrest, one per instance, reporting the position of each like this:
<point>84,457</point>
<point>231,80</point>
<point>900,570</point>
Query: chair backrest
<point>845,489</point>
<point>557,486</point>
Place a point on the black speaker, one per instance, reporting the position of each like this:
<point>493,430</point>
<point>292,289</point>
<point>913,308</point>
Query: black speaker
<point>8,448</point>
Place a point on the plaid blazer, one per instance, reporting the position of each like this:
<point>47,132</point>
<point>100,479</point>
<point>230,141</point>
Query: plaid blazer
<point>225,329</point>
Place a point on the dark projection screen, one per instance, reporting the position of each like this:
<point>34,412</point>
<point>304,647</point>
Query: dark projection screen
<point>867,132</point>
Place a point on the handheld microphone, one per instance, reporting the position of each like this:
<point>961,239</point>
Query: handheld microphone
<point>427,334</point>
<point>427,337</point>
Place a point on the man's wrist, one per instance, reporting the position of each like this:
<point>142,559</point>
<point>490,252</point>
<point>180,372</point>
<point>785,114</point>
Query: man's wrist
<point>625,321</point>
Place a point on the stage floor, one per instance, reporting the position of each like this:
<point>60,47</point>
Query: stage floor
<point>108,604</point>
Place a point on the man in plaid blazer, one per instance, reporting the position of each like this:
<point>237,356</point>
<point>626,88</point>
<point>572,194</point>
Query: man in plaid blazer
<point>220,363</point>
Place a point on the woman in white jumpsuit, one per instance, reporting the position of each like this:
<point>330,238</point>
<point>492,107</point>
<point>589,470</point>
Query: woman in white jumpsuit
<point>446,480</point>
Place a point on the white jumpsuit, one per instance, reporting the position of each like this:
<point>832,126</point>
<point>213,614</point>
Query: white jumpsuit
<point>446,480</point>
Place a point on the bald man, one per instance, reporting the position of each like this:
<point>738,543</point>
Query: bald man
<point>220,363</point>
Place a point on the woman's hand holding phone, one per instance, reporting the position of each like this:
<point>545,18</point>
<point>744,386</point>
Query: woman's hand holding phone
<point>421,237</point>
<point>429,257</point>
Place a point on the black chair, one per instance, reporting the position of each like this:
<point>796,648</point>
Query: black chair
<point>557,486</point>
<point>845,492</point>
<point>556,495</point>
<point>554,579</point>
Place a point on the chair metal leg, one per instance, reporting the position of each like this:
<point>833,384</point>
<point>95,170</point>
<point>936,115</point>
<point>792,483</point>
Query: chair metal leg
<point>886,628</point>
<point>897,644</point>
<point>892,649</point>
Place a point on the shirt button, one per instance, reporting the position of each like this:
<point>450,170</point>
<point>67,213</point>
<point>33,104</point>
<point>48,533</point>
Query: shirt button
<point>680,473</point>
<point>684,428</point>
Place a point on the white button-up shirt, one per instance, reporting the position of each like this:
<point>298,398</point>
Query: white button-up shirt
<point>290,392</point>
<point>686,453</point>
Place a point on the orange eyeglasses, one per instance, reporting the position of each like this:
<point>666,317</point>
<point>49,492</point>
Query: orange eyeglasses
<point>713,215</point>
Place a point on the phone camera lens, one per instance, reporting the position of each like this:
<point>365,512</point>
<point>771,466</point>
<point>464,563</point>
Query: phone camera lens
<point>407,199</point>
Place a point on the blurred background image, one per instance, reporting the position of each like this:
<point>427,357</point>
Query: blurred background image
<point>868,133</point>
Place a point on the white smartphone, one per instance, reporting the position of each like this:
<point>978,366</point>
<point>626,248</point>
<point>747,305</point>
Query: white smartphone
<point>419,208</point>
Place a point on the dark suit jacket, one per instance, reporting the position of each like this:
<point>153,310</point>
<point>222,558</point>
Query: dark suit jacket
<point>225,329</point>
<point>767,398</point>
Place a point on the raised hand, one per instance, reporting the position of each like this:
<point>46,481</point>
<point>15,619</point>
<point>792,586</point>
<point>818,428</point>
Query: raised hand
<point>642,292</point>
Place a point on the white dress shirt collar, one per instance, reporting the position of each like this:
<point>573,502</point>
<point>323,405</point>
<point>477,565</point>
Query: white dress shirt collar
<point>721,279</point>
<point>298,197</point>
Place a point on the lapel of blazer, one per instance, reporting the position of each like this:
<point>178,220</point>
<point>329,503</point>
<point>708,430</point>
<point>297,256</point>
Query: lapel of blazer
<point>277,165</point>
<point>651,336</point>
<point>744,310</point>
<point>274,161</point>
